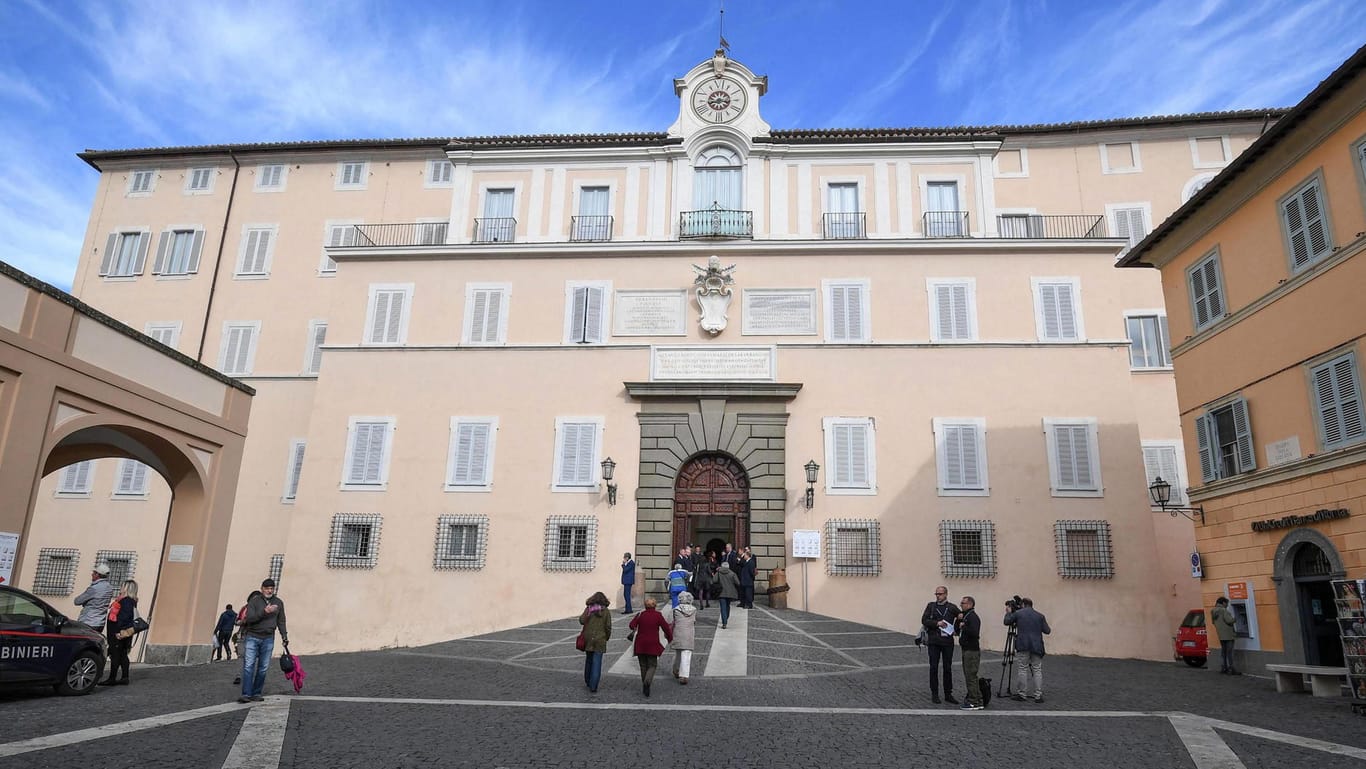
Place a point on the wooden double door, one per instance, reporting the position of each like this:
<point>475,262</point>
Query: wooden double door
<point>711,503</point>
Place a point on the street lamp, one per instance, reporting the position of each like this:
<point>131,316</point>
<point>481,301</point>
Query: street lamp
<point>608,468</point>
<point>812,469</point>
<point>1161,492</point>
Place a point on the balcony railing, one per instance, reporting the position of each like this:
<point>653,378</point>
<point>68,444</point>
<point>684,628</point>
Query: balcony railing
<point>405,234</point>
<point>946,224</point>
<point>716,222</point>
<point>845,226</point>
<point>495,230</point>
<point>590,228</point>
<point>1073,226</point>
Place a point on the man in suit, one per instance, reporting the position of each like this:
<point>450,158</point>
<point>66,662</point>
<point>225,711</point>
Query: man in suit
<point>628,580</point>
<point>1030,628</point>
<point>938,620</point>
<point>731,557</point>
<point>749,571</point>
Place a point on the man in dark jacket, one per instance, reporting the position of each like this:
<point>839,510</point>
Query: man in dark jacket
<point>222,633</point>
<point>969,639</point>
<point>938,620</point>
<point>749,570</point>
<point>265,614</point>
<point>1030,628</point>
<point>628,580</point>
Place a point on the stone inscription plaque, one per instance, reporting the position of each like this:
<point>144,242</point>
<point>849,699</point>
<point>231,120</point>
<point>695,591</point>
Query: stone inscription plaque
<point>785,311</point>
<point>1280,452</point>
<point>650,313</point>
<point>713,364</point>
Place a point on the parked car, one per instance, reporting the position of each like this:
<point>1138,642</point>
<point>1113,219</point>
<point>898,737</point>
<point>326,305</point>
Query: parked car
<point>39,645</point>
<point>1192,639</point>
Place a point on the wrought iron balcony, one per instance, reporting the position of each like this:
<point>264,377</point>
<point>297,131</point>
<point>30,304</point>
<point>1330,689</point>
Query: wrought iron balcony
<point>590,228</point>
<point>405,234</point>
<point>1071,226</point>
<point>946,224</point>
<point>716,222</point>
<point>845,226</point>
<point>495,230</point>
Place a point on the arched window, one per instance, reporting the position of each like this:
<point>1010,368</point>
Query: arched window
<point>1195,185</point>
<point>717,179</point>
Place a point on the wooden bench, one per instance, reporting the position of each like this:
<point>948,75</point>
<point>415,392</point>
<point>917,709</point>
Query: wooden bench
<point>1323,681</point>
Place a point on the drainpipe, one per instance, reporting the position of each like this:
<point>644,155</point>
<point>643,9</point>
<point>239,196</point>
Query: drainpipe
<point>218,260</point>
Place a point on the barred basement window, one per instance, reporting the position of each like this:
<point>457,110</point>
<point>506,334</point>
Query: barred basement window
<point>967,548</point>
<point>122,565</point>
<point>56,574</point>
<point>277,567</point>
<point>570,543</point>
<point>853,548</point>
<point>461,541</point>
<point>1084,549</point>
<point>354,542</point>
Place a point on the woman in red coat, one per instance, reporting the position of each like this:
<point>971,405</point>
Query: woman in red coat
<point>647,626</point>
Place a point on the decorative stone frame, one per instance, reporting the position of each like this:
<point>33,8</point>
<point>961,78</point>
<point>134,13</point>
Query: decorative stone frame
<point>1283,575</point>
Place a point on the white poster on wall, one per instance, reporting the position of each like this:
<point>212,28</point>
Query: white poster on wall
<point>806,543</point>
<point>9,546</point>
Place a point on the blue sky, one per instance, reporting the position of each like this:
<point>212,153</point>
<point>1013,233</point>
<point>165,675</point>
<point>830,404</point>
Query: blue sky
<point>105,74</point>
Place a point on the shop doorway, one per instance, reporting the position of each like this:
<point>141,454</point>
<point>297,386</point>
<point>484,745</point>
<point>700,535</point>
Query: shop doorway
<point>711,503</point>
<point>1317,610</point>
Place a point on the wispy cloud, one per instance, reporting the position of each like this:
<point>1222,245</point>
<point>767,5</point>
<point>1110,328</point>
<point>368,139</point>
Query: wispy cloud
<point>857,111</point>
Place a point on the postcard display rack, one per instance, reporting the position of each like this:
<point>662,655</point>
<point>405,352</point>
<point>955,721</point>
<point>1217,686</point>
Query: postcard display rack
<point>1352,623</point>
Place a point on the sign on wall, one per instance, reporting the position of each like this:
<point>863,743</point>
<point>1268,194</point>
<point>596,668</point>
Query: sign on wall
<point>779,311</point>
<point>9,546</point>
<point>713,363</point>
<point>180,554</point>
<point>806,543</point>
<point>1281,452</point>
<point>649,312</point>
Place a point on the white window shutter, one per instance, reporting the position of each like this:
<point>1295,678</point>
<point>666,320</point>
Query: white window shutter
<point>1160,462</point>
<point>1073,456</point>
<point>315,355</point>
<point>1337,393</point>
<point>1048,297</point>
<point>246,337</point>
<point>1204,438</point>
<point>296,468</point>
<point>594,317</point>
<point>231,350</point>
<point>851,455</point>
<point>163,245</point>
<point>367,453</point>
<point>395,320</point>
<point>493,314</point>
<point>111,247</point>
<point>962,463</point>
<point>576,453</point>
<point>953,311</point>
<point>378,328</point>
<point>144,243</point>
<point>471,454</point>
<point>1242,427</point>
<point>839,314</point>
<point>195,251</point>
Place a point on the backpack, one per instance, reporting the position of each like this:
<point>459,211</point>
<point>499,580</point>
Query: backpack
<point>242,615</point>
<point>985,685</point>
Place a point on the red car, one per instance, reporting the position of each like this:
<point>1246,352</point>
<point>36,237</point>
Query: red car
<point>1192,639</point>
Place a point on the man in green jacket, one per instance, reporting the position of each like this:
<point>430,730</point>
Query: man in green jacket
<point>1222,617</point>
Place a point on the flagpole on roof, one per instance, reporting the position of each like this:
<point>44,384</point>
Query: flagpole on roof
<point>722,34</point>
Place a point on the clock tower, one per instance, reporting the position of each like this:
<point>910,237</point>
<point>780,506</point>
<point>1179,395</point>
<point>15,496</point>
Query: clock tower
<point>720,92</point>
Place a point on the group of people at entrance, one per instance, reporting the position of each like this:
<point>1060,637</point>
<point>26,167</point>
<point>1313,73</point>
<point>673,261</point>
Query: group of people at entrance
<point>942,621</point>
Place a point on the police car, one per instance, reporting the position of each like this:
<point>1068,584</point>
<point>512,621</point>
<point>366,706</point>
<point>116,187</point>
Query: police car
<point>39,645</point>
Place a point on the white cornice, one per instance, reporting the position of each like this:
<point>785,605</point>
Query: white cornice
<point>1082,137</point>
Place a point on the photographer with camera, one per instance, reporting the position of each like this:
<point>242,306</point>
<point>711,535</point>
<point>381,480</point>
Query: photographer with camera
<point>1030,628</point>
<point>939,621</point>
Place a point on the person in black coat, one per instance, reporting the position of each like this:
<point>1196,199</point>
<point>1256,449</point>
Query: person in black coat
<point>222,633</point>
<point>749,570</point>
<point>119,632</point>
<point>939,617</point>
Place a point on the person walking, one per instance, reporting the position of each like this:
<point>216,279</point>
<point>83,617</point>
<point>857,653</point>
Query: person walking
<point>1030,628</point>
<point>1224,623</point>
<point>119,631</point>
<point>628,580</point>
<point>222,634</point>
<point>647,626</point>
<point>597,631</point>
<point>265,614</point>
<point>94,602</point>
<point>938,620</point>
<point>728,589</point>
<point>684,627</point>
<point>678,583</point>
<point>702,578</point>
<point>237,634</point>
<point>969,641</point>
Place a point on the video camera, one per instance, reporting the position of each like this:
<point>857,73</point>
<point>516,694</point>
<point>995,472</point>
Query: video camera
<point>1014,603</point>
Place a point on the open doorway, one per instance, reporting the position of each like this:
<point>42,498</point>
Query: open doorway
<point>1317,609</point>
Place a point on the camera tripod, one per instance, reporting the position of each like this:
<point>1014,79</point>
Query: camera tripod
<point>1007,661</point>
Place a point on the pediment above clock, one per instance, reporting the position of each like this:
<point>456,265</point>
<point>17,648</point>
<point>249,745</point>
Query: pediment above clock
<point>720,92</point>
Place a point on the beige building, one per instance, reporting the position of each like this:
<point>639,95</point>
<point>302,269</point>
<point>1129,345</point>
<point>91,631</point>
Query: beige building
<point>449,338</point>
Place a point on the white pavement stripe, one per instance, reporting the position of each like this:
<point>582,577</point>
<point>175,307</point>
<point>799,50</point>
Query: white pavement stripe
<point>626,664</point>
<point>262,736</point>
<point>729,657</point>
<point>556,642</point>
<point>1288,739</point>
<point>112,730</point>
<point>855,661</point>
<point>844,665</point>
<point>1206,749</point>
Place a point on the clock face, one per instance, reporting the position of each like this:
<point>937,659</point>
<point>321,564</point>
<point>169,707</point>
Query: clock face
<point>718,100</point>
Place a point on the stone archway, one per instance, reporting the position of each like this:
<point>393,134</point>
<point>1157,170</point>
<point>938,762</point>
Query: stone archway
<point>711,501</point>
<point>1318,562</point>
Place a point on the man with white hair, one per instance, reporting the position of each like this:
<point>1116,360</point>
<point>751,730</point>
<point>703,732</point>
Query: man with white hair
<point>94,602</point>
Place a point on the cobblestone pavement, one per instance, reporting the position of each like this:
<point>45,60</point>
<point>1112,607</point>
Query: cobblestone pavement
<point>819,692</point>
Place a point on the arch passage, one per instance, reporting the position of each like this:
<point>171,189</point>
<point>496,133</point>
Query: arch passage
<point>711,500</point>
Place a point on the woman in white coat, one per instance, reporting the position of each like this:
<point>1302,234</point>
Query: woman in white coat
<point>684,621</point>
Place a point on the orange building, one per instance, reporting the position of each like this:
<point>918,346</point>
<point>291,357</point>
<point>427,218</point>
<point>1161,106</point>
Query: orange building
<point>1263,273</point>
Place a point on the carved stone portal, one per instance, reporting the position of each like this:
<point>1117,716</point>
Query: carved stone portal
<point>713,294</point>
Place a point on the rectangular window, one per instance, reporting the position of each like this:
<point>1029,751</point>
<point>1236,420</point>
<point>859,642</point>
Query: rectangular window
<point>1206,281</point>
<point>167,333</point>
<point>1162,459</point>
<point>586,312</point>
<point>439,173</point>
<point>178,252</point>
<point>339,235</point>
<point>56,572</point>
<point>967,548</point>
<point>369,442</point>
<point>125,254</point>
<point>1083,549</point>
<point>122,565</point>
<point>294,469</point>
<point>1120,158</point>
<point>461,541</point>
<point>843,216</point>
<point>386,317</point>
<point>469,460</point>
<point>961,454</point>
<point>853,548</point>
<point>570,543</point>
<point>352,174</point>
<point>132,479</point>
<point>1209,151</point>
<point>577,441</point>
<point>1224,438</point>
<point>1057,309</point>
<point>1149,343</point>
<point>594,220</point>
<point>199,180</point>
<point>271,177</point>
<point>313,355</point>
<point>75,479</point>
<point>846,311</point>
<point>257,245</point>
<point>1304,220</point>
<point>1022,226</point>
<point>850,455</point>
<point>277,568</point>
<point>1129,222</point>
<point>486,313</point>
<point>944,217</point>
<point>1073,457</point>
<point>140,182</point>
<point>237,354</point>
<point>497,225</point>
<point>953,309</point>
<point>432,233</point>
<point>1337,401</point>
<point>354,541</point>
